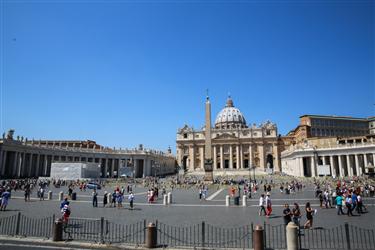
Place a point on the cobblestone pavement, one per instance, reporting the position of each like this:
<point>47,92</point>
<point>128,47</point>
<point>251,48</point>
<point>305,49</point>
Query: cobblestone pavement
<point>187,209</point>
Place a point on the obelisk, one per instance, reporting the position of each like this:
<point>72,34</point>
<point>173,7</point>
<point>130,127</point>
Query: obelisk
<point>208,144</point>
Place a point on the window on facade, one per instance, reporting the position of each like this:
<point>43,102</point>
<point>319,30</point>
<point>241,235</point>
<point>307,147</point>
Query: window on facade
<point>268,132</point>
<point>185,135</point>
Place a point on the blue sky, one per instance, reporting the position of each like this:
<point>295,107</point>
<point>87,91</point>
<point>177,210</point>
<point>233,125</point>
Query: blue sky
<point>130,72</point>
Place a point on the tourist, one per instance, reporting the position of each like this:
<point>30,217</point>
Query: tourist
<point>200,193</point>
<point>339,201</point>
<point>349,204</point>
<point>309,216</point>
<point>4,200</point>
<point>41,193</point>
<point>64,202</point>
<point>113,200</point>
<point>359,204</point>
<point>119,198</point>
<point>287,214</point>
<point>105,199</point>
<point>296,213</point>
<point>268,205</point>
<point>131,200</point>
<point>94,198</point>
<point>65,213</point>
<point>262,203</point>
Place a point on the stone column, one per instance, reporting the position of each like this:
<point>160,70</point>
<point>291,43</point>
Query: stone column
<point>357,167</point>
<point>113,167</point>
<point>15,165</point>
<point>29,168</point>
<point>237,156</point>
<point>324,160</point>
<point>22,168</point>
<point>221,157</point>
<point>276,165</point>
<point>250,156</point>
<point>106,167</point>
<point>241,157</point>
<point>349,166</point>
<point>201,156</point>
<point>365,162</point>
<point>45,168</point>
<point>261,157</point>
<point>191,158</point>
<point>313,169</point>
<point>230,157</point>
<point>3,162</point>
<point>333,171</point>
<point>341,170</point>
<point>215,158</point>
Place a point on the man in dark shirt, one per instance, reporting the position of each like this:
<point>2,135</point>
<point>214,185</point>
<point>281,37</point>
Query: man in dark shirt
<point>287,214</point>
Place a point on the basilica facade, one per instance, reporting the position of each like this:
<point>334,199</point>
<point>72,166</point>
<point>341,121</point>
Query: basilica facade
<point>237,146</point>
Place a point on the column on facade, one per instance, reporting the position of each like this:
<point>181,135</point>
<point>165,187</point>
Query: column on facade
<point>250,156</point>
<point>135,170</point>
<point>313,169</point>
<point>201,155</point>
<point>112,167</point>
<point>106,167</point>
<point>29,167</point>
<point>349,166</point>
<point>341,170</point>
<point>15,165</point>
<point>276,164</point>
<point>365,162</point>
<point>215,158</point>
<point>230,157</point>
<point>3,162</point>
<point>241,156</point>
<point>357,167</point>
<point>191,158</point>
<point>333,171</point>
<point>22,168</point>
<point>221,157</point>
<point>237,156</point>
<point>261,156</point>
<point>324,160</point>
<point>45,163</point>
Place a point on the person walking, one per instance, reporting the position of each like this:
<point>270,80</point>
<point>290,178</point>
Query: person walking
<point>105,199</point>
<point>349,204</point>
<point>287,214</point>
<point>296,213</point>
<point>65,211</point>
<point>309,216</point>
<point>131,200</point>
<point>339,200</point>
<point>94,198</point>
<point>262,203</point>
<point>4,200</point>
<point>268,205</point>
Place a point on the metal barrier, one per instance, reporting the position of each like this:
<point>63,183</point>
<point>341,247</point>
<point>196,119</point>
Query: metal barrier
<point>205,235</point>
<point>198,235</point>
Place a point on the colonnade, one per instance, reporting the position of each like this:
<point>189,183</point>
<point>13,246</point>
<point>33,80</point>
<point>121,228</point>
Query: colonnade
<point>234,156</point>
<point>340,165</point>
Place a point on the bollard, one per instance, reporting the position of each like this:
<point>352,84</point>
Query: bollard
<point>50,195</point>
<point>258,238</point>
<point>244,201</point>
<point>165,199</point>
<point>151,240</point>
<point>227,200</point>
<point>61,196</point>
<point>292,236</point>
<point>109,199</point>
<point>57,234</point>
<point>169,199</point>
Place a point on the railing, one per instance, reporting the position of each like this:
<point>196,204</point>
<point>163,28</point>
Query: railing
<point>201,235</point>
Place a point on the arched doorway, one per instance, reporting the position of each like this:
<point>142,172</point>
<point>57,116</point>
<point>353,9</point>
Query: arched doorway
<point>184,163</point>
<point>269,161</point>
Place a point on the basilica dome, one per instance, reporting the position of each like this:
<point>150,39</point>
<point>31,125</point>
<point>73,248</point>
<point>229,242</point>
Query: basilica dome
<point>230,117</point>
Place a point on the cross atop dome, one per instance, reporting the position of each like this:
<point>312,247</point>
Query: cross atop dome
<point>229,101</point>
